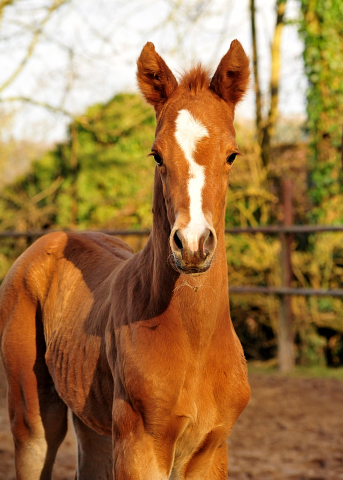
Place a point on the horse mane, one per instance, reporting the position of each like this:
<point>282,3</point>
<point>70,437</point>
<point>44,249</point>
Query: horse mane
<point>195,79</point>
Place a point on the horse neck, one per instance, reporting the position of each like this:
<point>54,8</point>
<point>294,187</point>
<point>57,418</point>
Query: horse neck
<point>155,254</point>
<point>168,288</point>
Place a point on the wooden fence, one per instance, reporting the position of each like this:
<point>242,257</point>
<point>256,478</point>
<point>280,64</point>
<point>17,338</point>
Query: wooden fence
<point>279,230</point>
<point>284,292</point>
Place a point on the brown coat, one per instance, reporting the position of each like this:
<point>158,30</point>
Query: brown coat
<point>140,347</point>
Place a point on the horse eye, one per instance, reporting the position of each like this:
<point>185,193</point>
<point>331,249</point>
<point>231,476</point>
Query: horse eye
<point>230,159</point>
<point>158,159</point>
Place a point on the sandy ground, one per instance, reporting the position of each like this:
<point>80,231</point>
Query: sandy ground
<point>292,429</point>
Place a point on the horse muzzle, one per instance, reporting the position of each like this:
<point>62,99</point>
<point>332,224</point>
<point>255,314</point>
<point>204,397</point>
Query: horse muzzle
<point>193,249</point>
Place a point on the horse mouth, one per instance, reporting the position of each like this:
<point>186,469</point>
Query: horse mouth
<point>191,269</point>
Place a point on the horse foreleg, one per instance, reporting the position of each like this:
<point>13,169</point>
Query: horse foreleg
<point>135,456</point>
<point>94,452</point>
<point>208,464</point>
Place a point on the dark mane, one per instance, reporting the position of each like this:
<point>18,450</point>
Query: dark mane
<point>195,79</point>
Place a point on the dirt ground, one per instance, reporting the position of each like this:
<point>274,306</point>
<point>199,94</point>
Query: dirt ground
<point>292,429</point>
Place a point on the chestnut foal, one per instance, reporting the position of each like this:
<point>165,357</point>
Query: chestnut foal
<point>140,347</point>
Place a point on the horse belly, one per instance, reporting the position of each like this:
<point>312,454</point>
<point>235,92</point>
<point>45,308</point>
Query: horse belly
<point>82,378</point>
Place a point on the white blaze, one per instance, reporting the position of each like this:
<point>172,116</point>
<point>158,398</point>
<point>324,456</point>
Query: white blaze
<point>188,132</point>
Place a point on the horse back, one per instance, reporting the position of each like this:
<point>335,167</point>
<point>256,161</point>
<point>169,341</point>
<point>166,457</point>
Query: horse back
<point>87,257</point>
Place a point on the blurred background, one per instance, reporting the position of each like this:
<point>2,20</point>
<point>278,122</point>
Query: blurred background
<point>75,134</point>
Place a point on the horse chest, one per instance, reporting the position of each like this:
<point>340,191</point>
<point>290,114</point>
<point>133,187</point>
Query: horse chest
<point>192,391</point>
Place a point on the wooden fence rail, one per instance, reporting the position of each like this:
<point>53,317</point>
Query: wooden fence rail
<point>268,230</point>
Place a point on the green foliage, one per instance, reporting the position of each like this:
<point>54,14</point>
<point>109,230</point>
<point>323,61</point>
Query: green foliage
<point>101,177</point>
<point>254,259</point>
<point>321,264</point>
<point>318,371</point>
<point>322,30</point>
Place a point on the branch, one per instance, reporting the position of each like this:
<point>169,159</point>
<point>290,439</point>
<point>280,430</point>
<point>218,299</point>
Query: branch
<point>258,101</point>
<point>36,35</point>
<point>269,127</point>
<point>47,191</point>
<point>3,5</point>
<point>276,64</point>
<point>44,105</point>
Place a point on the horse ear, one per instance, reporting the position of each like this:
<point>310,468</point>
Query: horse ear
<point>155,79</point>
<point>232,75</point>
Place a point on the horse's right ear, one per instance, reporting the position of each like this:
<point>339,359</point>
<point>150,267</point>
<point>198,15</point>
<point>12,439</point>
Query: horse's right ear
<point>155,79</point>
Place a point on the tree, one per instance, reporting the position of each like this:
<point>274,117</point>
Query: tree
<point>322,29</point>
<point>110,175</point>
<point>27,21</point>
<point>265,127</point>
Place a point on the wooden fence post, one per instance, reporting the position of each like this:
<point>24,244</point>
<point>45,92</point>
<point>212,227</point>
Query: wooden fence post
<point>285,330</point>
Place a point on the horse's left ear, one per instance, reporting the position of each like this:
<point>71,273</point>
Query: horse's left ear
<point>232,75</point>
<point>155,79</point>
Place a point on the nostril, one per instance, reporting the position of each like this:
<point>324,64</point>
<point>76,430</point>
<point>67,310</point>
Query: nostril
<point>178,241</point>
<point>209,243</point>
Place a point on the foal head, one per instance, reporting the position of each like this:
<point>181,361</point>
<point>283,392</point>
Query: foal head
<point>194,147</point>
